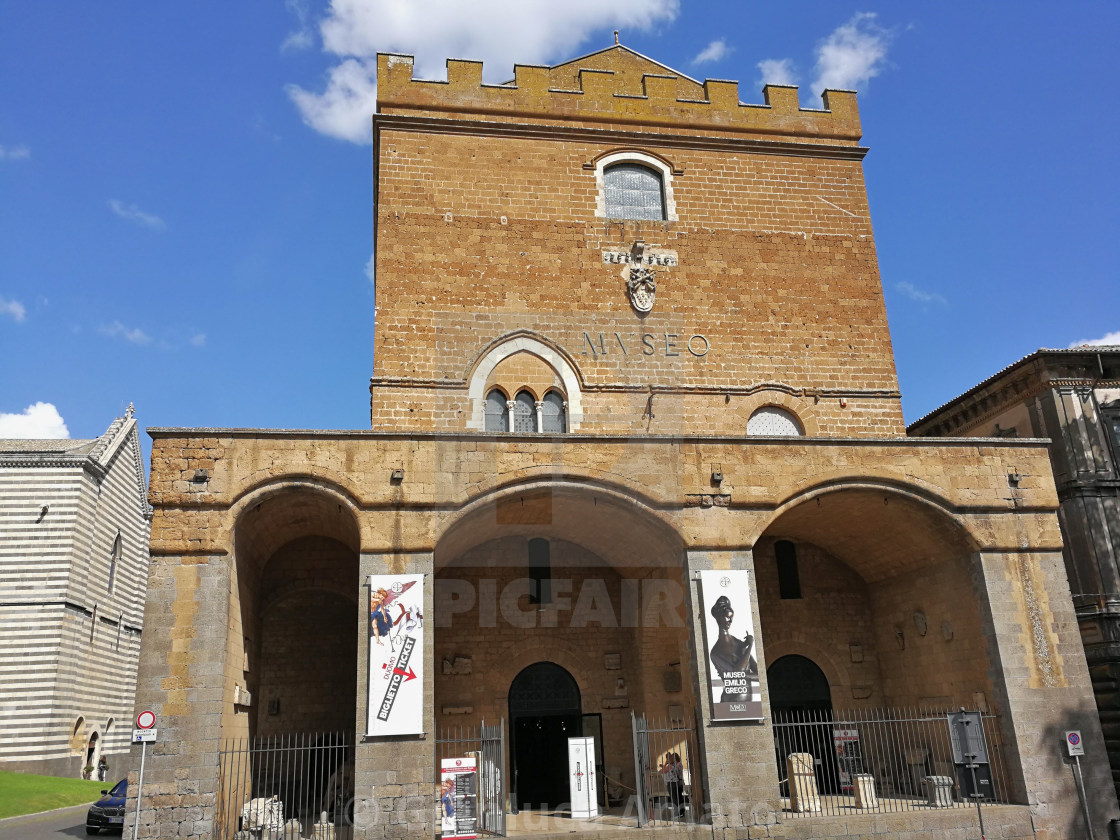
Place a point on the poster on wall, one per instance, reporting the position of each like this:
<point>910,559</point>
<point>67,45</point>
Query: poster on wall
<point>396,655</point>
<point>458,799</point>
<point>732,665</point>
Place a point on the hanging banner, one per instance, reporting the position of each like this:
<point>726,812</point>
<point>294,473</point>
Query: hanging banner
<point>731,656</point>
<point>396,655</point>
<point>458,799</point>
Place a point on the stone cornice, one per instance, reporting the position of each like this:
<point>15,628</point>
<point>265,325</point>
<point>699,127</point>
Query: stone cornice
<point>611,136</point>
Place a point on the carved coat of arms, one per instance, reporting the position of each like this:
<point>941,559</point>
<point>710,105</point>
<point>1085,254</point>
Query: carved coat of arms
<point>642,287</point>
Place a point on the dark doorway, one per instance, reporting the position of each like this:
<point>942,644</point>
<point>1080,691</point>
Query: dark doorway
<point>801,708</point>
<point>544,711</point>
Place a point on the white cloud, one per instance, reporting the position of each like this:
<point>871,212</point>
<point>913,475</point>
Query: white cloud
<point>713,52</point>
<point>776,71</point>
<point>496,32</point>
<point>37,421</point>
<point>14,153</point>
<point>118,330</point>
<point>13,308</point>
<point>1106,339</point>
<point>371,267</point>
<point>134,214</point>
<point>852,54</point>
<point>345,109</point>
<point>198,340</point>
<point>302,37</point>
<point>920,295</point>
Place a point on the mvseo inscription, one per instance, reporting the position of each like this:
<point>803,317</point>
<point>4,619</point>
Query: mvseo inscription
<point>645,344</point>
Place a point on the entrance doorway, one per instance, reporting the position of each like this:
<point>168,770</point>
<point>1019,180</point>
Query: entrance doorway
<point>801,707</point>
<point>544,710</point>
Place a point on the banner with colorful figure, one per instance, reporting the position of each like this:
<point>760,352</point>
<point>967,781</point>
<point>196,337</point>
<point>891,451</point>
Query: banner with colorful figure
<point>396,655</point>
<point>732,665</point>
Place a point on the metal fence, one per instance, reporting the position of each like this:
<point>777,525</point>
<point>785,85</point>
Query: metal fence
<point>285,783</point>
<point>667,771</point>
<point>886,760</point>
<point>487,745</point>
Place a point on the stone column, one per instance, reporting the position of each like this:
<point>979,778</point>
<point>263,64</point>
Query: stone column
<point>395,777</point>
<point>739,770</point>
<point>540,416</point>
<point>181,678</point>
<point>511,410</point>
<point>1042,686</point>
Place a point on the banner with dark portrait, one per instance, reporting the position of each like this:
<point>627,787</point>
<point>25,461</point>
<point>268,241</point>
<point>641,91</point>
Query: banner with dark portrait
<point>732,665</point>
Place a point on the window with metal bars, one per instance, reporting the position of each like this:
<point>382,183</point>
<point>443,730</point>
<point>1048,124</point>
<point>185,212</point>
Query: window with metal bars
<point>524,413</point>
<point>633,191</point>
<point>497,415</point>
<point>554,416</point>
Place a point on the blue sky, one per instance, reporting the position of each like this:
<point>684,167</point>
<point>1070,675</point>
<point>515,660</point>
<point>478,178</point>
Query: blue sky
<point>185,189</point>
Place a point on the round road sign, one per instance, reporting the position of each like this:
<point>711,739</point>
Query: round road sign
<point>145,720</point>
<point>1074,738</point>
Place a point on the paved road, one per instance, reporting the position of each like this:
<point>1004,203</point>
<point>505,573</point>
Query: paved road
<point>52,825</point>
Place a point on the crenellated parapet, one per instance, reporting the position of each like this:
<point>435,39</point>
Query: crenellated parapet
<point>613,87</point>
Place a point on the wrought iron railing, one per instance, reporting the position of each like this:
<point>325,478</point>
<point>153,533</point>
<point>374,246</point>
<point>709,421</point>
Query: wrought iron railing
<point>886,760</point>
<point>284,784</point>
<point>487,745</point>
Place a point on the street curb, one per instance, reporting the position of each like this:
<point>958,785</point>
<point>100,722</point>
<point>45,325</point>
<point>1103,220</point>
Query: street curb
<point>41,813</point>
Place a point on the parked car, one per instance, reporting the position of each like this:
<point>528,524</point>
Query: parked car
<point>108,811</point>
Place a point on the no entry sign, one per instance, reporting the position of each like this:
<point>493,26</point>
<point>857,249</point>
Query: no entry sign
<point>145,720</point>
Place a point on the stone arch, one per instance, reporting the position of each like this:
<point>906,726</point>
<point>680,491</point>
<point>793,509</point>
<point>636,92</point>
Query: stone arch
<point>804,410</point>
<point>836,673</point>
<point>293,607</point>
<point>509,345</point>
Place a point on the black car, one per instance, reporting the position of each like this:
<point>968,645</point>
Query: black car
<point>108,811</point>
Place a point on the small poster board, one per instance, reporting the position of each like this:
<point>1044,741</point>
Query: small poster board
<point>458,798</point>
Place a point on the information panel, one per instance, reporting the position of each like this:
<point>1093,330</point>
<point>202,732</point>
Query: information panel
<point>732,666</point>
<point>458,799</point>
<point>396,655</point>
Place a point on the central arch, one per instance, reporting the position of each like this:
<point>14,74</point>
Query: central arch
<point>545,710</point>
<point>571,577</point>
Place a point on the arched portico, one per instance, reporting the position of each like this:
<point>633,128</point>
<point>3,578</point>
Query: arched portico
<point>573,573</point>
<point>293,609</point>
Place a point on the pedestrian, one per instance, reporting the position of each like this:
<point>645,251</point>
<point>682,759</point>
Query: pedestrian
<point>102,769</point>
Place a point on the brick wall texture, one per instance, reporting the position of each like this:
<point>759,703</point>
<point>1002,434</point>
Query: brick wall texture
<point>927,576</point>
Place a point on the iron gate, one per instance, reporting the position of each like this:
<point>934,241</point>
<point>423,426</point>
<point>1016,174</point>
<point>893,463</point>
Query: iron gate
<point>487,744</point>
<point>271,783</point>
<point>667,784</point>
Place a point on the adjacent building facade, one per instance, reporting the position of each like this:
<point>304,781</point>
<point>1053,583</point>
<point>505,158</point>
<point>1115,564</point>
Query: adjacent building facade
<point>1071,397</point>
<point>74,530</point>
<point>630,331</point>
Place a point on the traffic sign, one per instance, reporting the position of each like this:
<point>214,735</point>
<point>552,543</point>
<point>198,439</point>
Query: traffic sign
<point>144,736</point>
<point>1073,742</point>
<point>145,720</point>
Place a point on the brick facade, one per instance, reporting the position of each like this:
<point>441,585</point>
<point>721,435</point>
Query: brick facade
<point>497,267</point>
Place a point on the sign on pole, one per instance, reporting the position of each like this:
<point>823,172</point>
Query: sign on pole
<point>144,736</point>
<point>1073,742</point>
<point>146,719</point>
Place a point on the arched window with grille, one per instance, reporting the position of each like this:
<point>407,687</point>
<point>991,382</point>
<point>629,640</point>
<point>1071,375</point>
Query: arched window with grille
<point>497,415</point>
<point>633,191</point>
<point>554,417</point>
<point>524,413</point>
<point>771,421</point>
